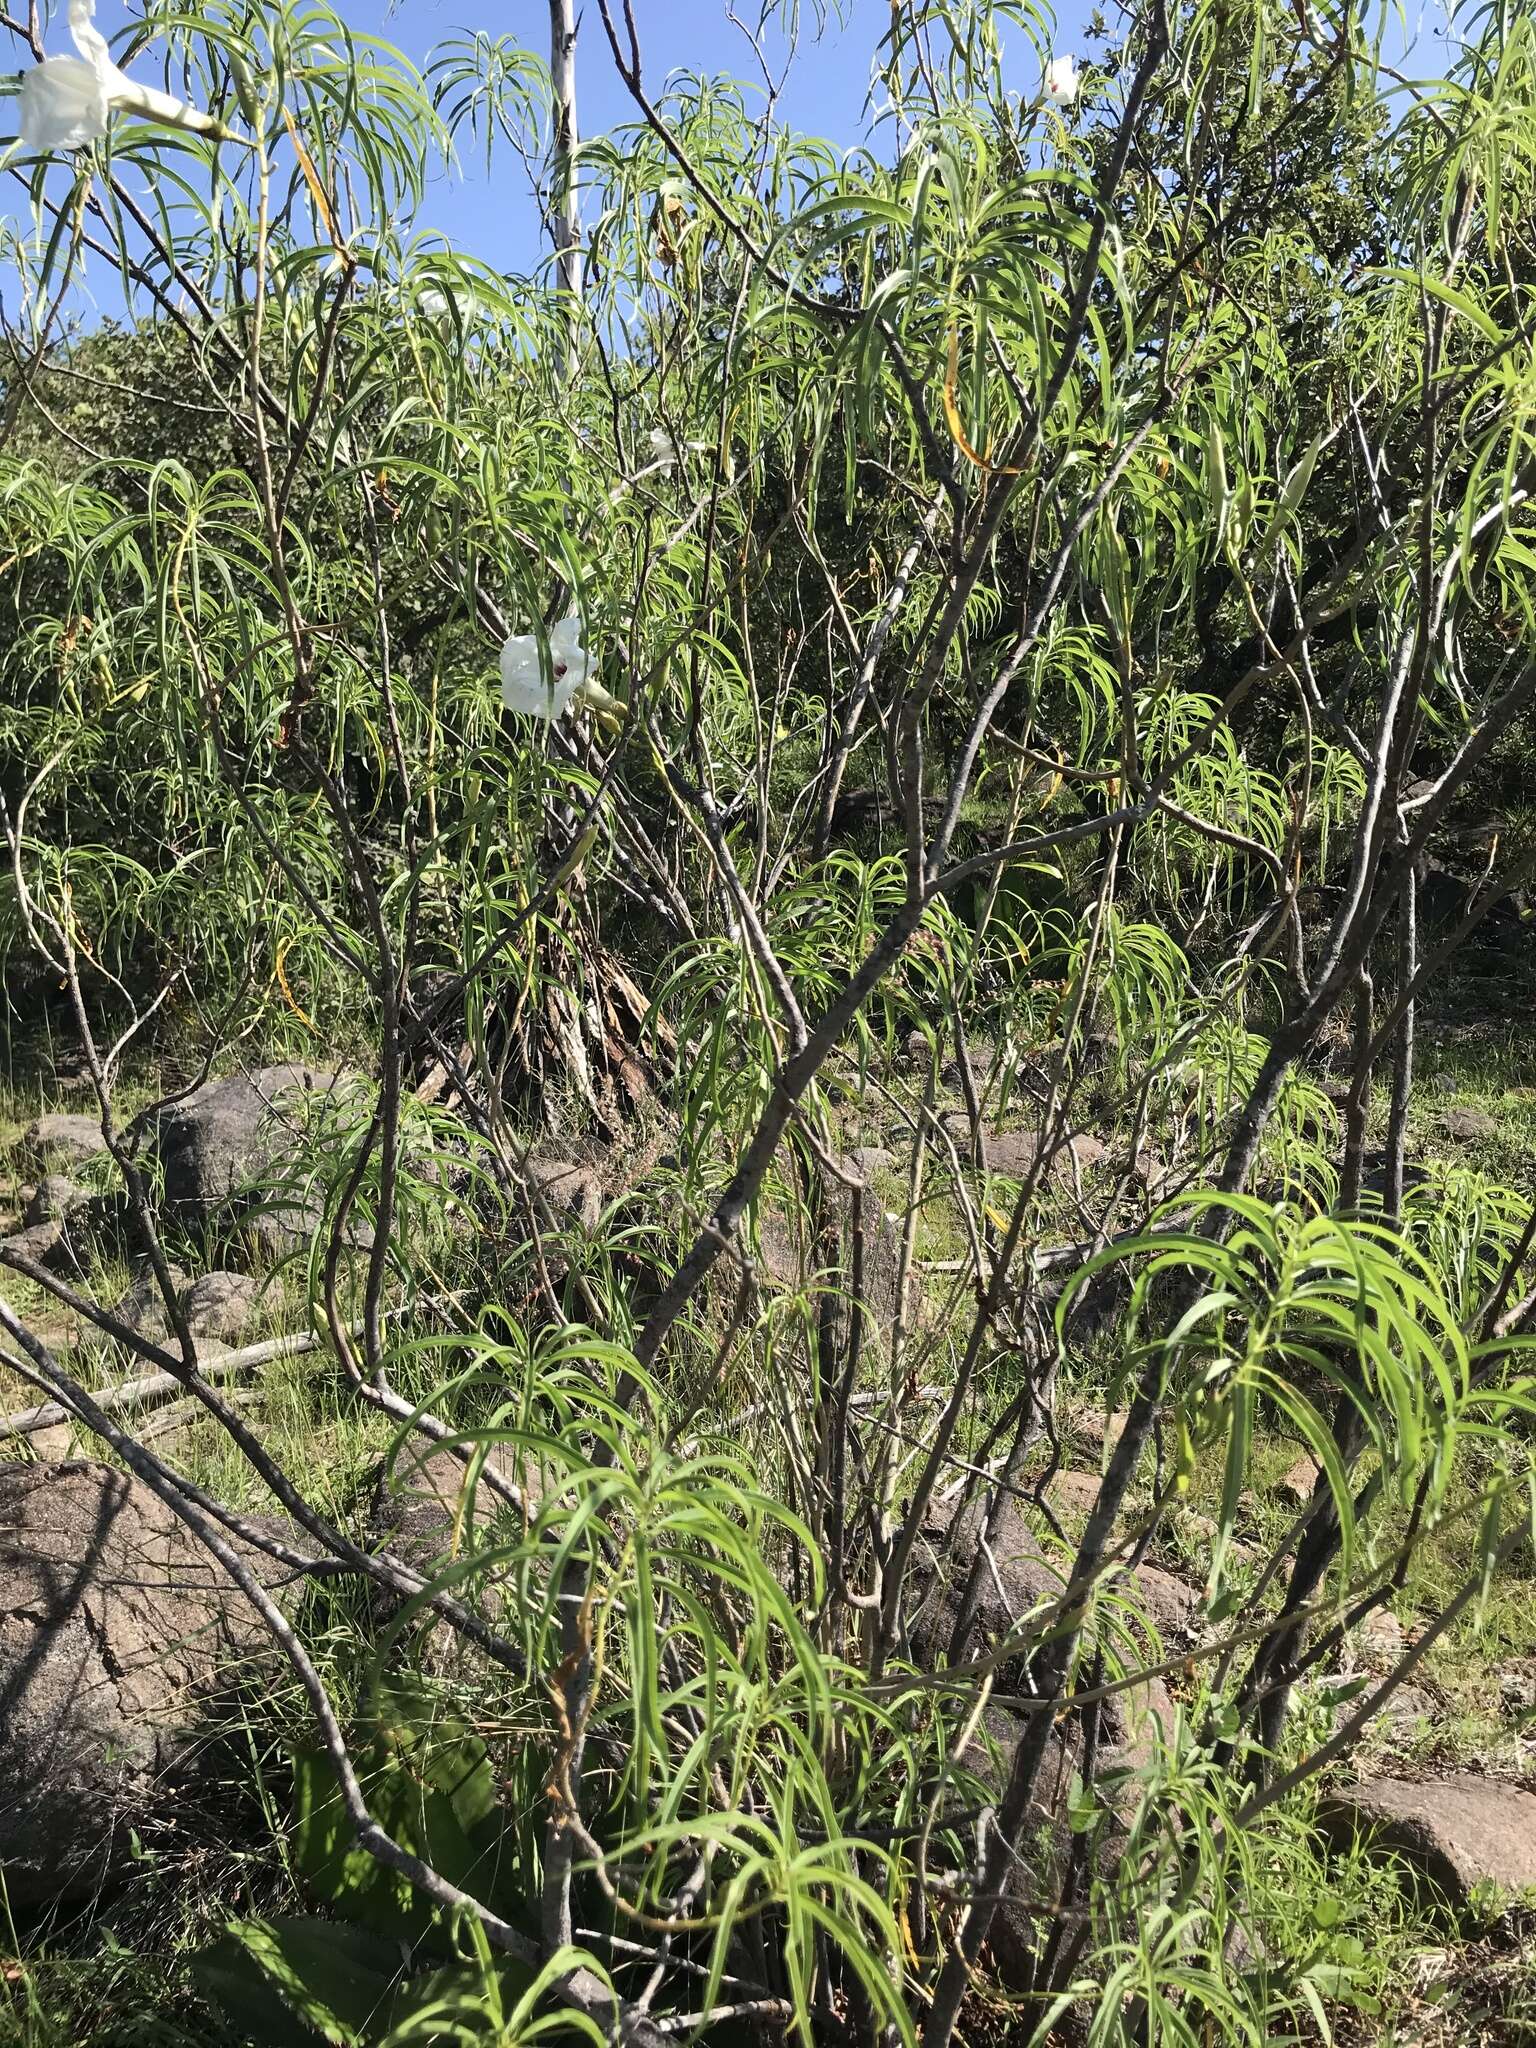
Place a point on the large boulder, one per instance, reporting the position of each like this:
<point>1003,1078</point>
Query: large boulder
<point>1131,1619</point>
<point>116,1631</point>
<point>231,1144</point>
<point>1458,1832</point>
<point>1132,1725</point>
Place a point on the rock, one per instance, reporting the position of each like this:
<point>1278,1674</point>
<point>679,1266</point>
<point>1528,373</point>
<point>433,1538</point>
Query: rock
<point>1013,1153</point>
<point>115,1630</point>
<point>868,1160</point>
<point>1074,1493</point>
<point>792,1263</point>
<point>1132,1725</point>
<point>41,1242</point>
<point>421,1495</point>
<point>90,1230</point>
<point>1135,1724</point>
<point>1517,1689</point>
<point>1172,1605</point>
<point>1294,1486</point>
<point>1443,898</point>
<point>1195,1528</point>
<point>228,1143</point>
<point>143,1308</point>
<point>52,1199</point>
<point>1088,1424</point>
<point>1411,1710</point>
<point>1457,1832</point>
<point>571,1190</point>
<point>221,1305</point>
<point>1021,1579</point>
<point>916,1052</point>
<point>1097,1304</point>
<point>1374,1180</point>
<point>428,1512</point>
<point>858,810</point>
<point>1381,1636</point>
<point>1086,1153</point>
<point>1469,1126</point>
<point>63,1138</point>
<point>1149,1173</point>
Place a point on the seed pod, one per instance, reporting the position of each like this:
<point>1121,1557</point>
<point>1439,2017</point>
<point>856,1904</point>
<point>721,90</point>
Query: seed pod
<point>245,89</point>
<point>1292,491</point>
<point>1216,480</point>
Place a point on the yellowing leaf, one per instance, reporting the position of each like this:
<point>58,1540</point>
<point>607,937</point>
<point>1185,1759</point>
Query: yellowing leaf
<point>288,996</point>
<point>312,180</point>
<point>952,413</point>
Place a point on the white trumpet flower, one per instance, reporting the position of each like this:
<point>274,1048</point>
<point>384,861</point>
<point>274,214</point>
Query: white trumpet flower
<point>64,105</point>
<point>67,102</point>
<point>524,687</point>
<point>664,452</point>
<point>1061,81</point>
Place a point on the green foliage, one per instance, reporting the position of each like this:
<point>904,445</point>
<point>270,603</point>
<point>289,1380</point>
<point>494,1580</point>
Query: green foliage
<point>345,1986</point>
<point>1055,565</point>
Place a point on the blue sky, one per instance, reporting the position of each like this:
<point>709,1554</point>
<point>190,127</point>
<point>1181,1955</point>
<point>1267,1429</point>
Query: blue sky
<point>495,219</point>
<point>823,95</point>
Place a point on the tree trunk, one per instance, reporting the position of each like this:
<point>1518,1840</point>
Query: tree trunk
<point>567,220</point>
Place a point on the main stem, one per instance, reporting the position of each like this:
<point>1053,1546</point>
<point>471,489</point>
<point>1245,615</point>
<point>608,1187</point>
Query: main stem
<point>567,221</point>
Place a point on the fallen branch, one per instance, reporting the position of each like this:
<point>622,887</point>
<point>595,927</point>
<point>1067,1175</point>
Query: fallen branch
<point>151,1389</point>
<point>182,1414</point>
